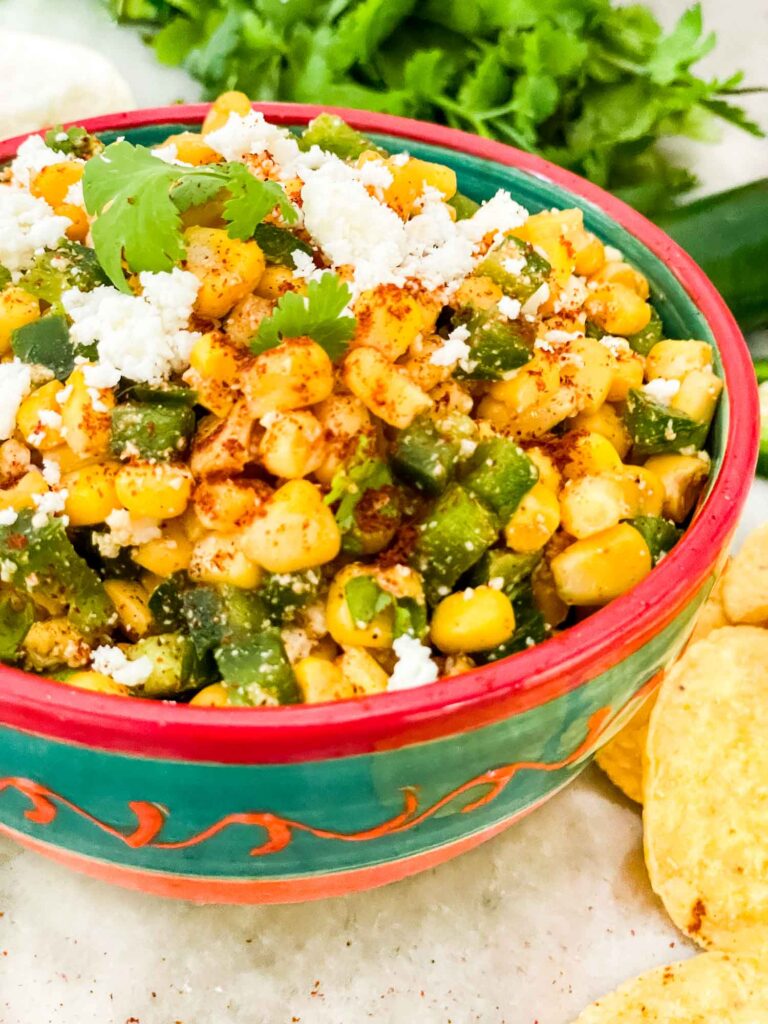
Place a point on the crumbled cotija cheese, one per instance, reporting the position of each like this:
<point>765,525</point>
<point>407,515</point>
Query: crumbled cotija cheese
<point>125,531</point>
<point>453,349</point>
<point>414,666</point>
<point>28,225</point>
<point>112,662</point>
<point>251,135</point>
<point>142,337</point>
<point>8,516</point>
<point>534,302</point>
<point>75,194</point>
<point>32,156</point>
<point>510,308</point>
<point>661,390</point>
<point>15,385</point>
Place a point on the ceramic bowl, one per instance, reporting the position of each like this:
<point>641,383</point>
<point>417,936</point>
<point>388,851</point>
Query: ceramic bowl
<point>291,804</point>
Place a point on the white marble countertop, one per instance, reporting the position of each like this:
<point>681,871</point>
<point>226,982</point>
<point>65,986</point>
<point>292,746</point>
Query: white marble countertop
<point>525,930</point>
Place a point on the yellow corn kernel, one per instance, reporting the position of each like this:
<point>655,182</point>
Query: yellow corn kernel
<point>167,554</point>
<point>389,318</point>
<point>54,181</point>
<point>651,491</point>
<point>228,268</point>
<point>39,417</point>
<point>225,504</point>
<point>53,642</point>
<point>22,493</point>
<point>97,683</point>
<point>591,369</point>
<point>192,148</point>
<point>17,308</point>
<point>215,367</point>
<point>534,521</point>
<point>292,445</point>
<point>589,254</point>
<point>450,397</point>
<point>130,601</point>
<point>91,493</point>
<point>591,504</point>
<point>79,226</point>
<point>276,281</point>
<point>419,366</point>
<point>345,631</point>
<point>480,292</point>
<point>531,402</point>
<point>361,672</point>
<point>344,420</point>
<point>232,102</point>
<point>385,389</point>
<point>411,178</point>
<point>683,478</point>
<point>150,582</point>
<point>546,597</point>
<point>67,460</point>
<point>596,570</point>
<point>618,272</point>
<point>294,375</point>
<point>628,373</point>
<point>321,680</point>
<point>476,619</point>
<point>698,395</point>
<point>608,423</point>
<point>589,454</point>
<point>213,696</point>
<point>549,474</point>
<point>296,530</point>
<point>159,490</point>
<point>219,558</point>
<point>14,461</point>
<point>86,421</point>
<point>548,231</point>
<point>674,359</point>
<point>223,446</point>
<point>618,310</point>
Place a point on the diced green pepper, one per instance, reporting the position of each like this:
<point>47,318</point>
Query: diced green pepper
<point>17,614</point>
<point>508,566</point>
<point>71,265</point>
<point>334,135</point>
<point>463,205</point>
<point>73,141</point>
<point>455,535</point>
<point>530,628</point>
<point>166,602</point>
<point>285,593</point>
<point>258,668</point>
<point>217,616</point>
<point>121,567</point>
<point>175,664</point>
<point>279,244</point>
<point>659,534</point>
<point>46,342</point>
<point>45,561</point>
<point>498,345</point>
<point>643,341</point>
<point>165,394</point>
<point>151,430</point>
<point>656,428</point>
<point>423,457</point>
<point>516,268</point>
<point>500,474</point>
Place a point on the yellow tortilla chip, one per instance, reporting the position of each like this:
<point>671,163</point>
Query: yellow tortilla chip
<point>712,988</point>
<point>706,791</point>
<point>745,582</point>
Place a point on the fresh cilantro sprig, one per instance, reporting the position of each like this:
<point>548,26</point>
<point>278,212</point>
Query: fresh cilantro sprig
<point>366,598</point>
<point>137,201</point>
<point>316,315</point>
<point>361,473</point>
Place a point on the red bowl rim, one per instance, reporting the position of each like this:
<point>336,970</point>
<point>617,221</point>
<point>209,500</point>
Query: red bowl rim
<point>485,695</point>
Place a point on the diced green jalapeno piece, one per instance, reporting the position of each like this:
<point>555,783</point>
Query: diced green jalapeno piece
<point>516,268</point>
<point>46,342</point>
<point>508,566</point>
<point>334,135</point>
<point>279,244</point>
<point>17,614</point>
<point>257,670</point>
<point>463,205</point>
<point>659,534</point>
<point>175,664</point>
<point>500,474</point>
<point>71,265</point>
<point>165,394</point>
<point>454,536</point>
<point>656,428</point>
<point>498,345</point>
<point>285,593</point>
<point>643,341</point>
<point>151,430</point>
<point>423,457</point>
<point>216,616</point>
<point>166,602</point>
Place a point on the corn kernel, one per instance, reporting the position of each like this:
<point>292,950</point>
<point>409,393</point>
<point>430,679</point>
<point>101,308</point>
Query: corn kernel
<point>91,493</point>
<point>191,148</point>
<point>85,416</point>
<point>130,601</point>
<point>651,491</point>
<point>411,178</point>
<point>79,225</point>
<point>158,490</point>
<point>618,310</point>
<point>589,454</point>
<point>97,683</point>
<point>361,672</point>
<point>389,318</point>
<point>534,521</point>
<point>22,493</point>
<point>600,568</point>
<point>276,281</point>
<point>628,373</point>
<point>342,627</point>
<point>549,474</point>
<point>698,395</point>
<point>226,504</point>
<point>296,530</point>
<point>219,558</point>
<point>167,554</point>
<point>609,424</point>
<point>618,272</point>
<point>294,375</point>
<point>17,308</point>
<point>531,402</point>
<point>232,102</point>
<point>385,389</point>
<point>477,619</point>
<point>591,372</point>
<point>39,417</point>
<point>683,478</point>
<point>213,696</point>
<point>292,445</point>
<point>674,359</point>
<point>591,504</point>
<point>54,181</point>
<point>479,292</point>
<point>228,268</point>
<point>321,680</point>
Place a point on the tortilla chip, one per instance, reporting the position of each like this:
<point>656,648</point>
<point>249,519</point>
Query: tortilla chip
<point>745,582</point>
<point>712,988</point>
<point>706,791</point>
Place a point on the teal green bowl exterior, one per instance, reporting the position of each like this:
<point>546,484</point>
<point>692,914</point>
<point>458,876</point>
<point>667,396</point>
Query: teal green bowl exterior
<point>245,806</point>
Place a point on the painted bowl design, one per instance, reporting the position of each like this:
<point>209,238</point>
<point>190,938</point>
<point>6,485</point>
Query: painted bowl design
<point>290,804</point>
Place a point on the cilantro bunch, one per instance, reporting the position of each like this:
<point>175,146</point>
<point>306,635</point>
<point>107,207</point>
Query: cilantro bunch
<point>587,83</point>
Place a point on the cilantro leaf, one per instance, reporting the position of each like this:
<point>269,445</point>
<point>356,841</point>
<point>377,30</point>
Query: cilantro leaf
<point>137,201</point>
<point>316,315</point>
<point>365,599</point>
<point>361,473</point>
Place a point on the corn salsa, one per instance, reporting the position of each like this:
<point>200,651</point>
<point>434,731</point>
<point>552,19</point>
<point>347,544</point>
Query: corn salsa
<point>286,418</point>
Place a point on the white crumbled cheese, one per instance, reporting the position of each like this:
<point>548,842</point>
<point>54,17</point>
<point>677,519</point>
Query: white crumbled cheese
<point>453,349</point>
<point>125,531</point>
<point>28,225</point>
<point>31,157</point>
<point>661,390</point>
<point>251,135</point>
<point>532,304</point>
<point>498,215</point>
<point>572,296</point>
<point>169,154</point>
<point>7,570</point>
<point>414,665</point>
<point>142,337</point>
<point>112,662</point>
<point>615,344</point>
<point>49,418</point>
<point>8,516</point>
<point>50,503</point>
<point>95,376</point>
<point>467,447</point>
<point>297,643</point>
<point>496,582</point>
<point>51,472</point>
<point>514,265</point>
<point>270,418</point>
<point>510,308</point>
<point>75,195</point>
<point>304,266</point>
<point>15,385</point>
<point>376,174</point>
<point>400,159</point>
<point>613,255</point>
<point>556,337</point>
